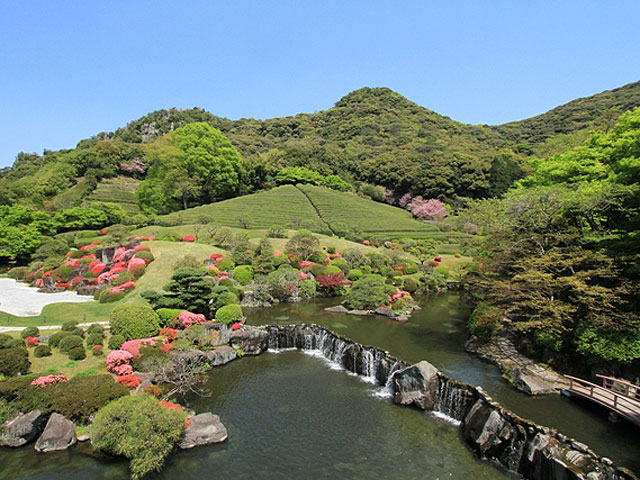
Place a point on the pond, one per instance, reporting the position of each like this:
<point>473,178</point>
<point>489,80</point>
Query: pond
<point>19,299</point>
<point>291,416</point>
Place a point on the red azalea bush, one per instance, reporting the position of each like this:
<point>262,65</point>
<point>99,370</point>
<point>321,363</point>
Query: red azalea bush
<point>170,406</point>
<point>188,238</point>
<point>154,390</point>
<point>129,381</point>
<point>170,334</point>
<point>31,341</point>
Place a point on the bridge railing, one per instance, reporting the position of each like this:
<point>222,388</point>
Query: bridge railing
<point>619,401</point>
<point>622,386</point>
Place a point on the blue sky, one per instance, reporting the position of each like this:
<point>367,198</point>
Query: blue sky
<point>69,70</point>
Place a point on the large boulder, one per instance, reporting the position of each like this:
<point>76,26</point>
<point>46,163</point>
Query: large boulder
<point>23,429</point>
<point>252,341</point>
<point>385,312</point>
<point>221,355</point>
<point>218,333</point>
<point>59,434</point>
<point>105,255</point>
<point>87,290</point>
<point>417,385</point>
<point>204,429</point>
<point>529,383</point>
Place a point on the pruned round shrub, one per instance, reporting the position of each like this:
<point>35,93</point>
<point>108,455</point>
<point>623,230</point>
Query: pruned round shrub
<point>56,338</point>
<point>355,274</point>
<point>367,293</point>
<point>14,361</point>
<point>123,278</point>
<point>166,316</point>
<point>95,328</point>
<point>145,255</point>
<point>107,296</point>
<point>94,339</point>
<point>341,263</point>
<point>70,342</point>
<point>30,332</point>
<point>5,340</point>
<point>69,326</point>
<point>243,274</point>
<point>42,351</point>
<point>78,331</point>
<point>77,353</point>
<point>333,269</point>
<point>229,314</point>
<point>225,264</point>
<point>134,321</point>
<point>18,273</point>
<point>115,342</point>
<point>82,396</point>
<point>117,429</point>
<point>411,284</point>
<point>318,269</point>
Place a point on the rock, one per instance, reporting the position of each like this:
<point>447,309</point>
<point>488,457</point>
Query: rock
<point>530,384</point>
<point>402,318</point>
<point>48,282</point>
<point>105,255</point>
<point>294,299</point>
<point>51,290</point>
<point>252,341</point>
<point>336,309</point>
<point>221,355</point>
<point>204,429</point>
<point>44,338</point>
<point>83,437</point>
<point>249,300</point>
<point>22,429</point>
<point>88,290</point>
<point>59,434</point>
<point>133,243</point>
<point>417,384</point>
<point>482,427</point>
<point>146,380</point>
<point>358,312</point>
<point>219,333</point>
<point>385,311</point>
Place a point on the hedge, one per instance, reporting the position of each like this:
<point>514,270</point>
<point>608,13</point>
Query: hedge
<point>229,314</point>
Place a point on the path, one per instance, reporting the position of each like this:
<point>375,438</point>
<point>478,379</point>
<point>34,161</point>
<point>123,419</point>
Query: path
<point>47,327</point>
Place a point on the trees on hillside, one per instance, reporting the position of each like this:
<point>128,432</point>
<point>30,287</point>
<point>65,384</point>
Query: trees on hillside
<point>193,165</point>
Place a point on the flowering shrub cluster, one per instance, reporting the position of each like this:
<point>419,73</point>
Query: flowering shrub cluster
<point>31,341</point>
<point>129,381</point>
<point>118,362</point>
<point>186,319</point>
<point>48,380</point>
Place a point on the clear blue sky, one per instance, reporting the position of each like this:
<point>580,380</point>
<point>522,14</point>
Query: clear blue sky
<point>69,70</point>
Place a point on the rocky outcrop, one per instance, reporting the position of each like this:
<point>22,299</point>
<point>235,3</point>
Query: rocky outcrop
<point>251,300</point>
<point>59,434</point>
<point>204,429</point>
<point>401,316</point>
<point>524,374</point>
<point>89,290</point>
<point>218,333</point>
<point>495,433</point>
<point>252,341</point>
<point>220,355</point>
<point>416,385</point>
<point>22,429</point>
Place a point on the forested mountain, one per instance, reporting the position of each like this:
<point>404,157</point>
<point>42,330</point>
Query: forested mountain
<point>371,135</point>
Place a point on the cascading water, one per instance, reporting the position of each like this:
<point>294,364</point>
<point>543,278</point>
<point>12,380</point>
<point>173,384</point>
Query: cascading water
<point>451,400</point>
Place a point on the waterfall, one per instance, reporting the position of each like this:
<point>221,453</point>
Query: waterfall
<point>451,400</point>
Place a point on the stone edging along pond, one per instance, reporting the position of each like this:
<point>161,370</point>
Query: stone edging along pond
<point>516,445</point>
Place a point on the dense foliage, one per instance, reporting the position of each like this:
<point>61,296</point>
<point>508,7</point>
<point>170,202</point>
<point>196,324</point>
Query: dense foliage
<point>139,428</point>
<point>561,251</point>
<point>134,321</point>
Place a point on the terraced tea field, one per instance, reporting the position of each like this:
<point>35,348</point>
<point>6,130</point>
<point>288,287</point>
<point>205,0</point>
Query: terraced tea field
<point>284,206</point>
<point>377,219</point>
<point>121,190</point>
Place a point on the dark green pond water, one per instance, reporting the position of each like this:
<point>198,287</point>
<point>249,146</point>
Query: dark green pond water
<point>290,416</point>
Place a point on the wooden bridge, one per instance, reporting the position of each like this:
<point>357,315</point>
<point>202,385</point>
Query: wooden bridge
<point>617,395</point>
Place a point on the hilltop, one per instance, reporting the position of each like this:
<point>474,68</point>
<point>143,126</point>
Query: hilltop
<point>372,135</point>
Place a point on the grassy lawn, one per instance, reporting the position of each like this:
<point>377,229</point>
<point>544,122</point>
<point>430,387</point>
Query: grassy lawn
<point>59,362</point>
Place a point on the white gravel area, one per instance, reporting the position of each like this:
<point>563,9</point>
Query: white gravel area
<point>23,301</point>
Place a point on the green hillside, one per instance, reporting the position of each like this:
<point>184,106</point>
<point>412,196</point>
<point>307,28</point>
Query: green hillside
<point>120,190</point>
<point>317,208</point>
<point>284,206</point>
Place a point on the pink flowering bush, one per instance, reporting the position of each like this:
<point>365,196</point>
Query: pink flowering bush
<point>118,362</point>
<point>48,380</point>
<point>186,319</point>
<point>427,209</point>
<point>133,346</point>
